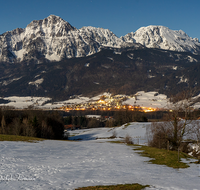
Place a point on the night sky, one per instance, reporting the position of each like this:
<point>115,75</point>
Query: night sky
<point>119,16</point>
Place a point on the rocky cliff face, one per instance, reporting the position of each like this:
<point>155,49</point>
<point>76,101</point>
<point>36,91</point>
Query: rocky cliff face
<point>54,39</point>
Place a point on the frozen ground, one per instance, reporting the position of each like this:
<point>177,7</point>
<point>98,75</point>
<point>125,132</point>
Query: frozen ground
<point>70,164</point>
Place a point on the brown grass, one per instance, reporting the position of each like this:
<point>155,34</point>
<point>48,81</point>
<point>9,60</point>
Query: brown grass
<point>19,138</point>
<point>134,186</point>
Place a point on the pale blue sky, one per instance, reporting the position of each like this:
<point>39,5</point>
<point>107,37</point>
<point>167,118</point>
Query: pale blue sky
<point>120,16</point>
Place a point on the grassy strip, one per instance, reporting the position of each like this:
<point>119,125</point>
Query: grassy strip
<point>134,186</point>
<point>163,157</point>
<point>118,142</point>
<point>19,138</point>
<point>126,125</point>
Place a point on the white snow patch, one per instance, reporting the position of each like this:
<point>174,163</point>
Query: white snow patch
<point>37,82</point>
<point>182,79</point>
<point>106,66</point>
<point>135,130</point>
<point>175,67</point>
<point>52,57</point>
<point>148,99</point>
<point>87,64</point>
<point>24,102</point>
<point>151,76</point>
<point>117,52</point>
<point>20,53</point>
<point>191,59</point>
<point>77,100</point>
<point>37,76</point>
<point>110,58</point>
<point>6,82</point>
<point>130,56</point>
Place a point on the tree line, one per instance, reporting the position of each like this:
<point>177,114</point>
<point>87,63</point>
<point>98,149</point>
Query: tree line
<point>113,119</point>
<point>34,123</point>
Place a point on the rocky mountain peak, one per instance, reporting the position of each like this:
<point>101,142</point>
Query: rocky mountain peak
<point>52,26</point>
<point>164,38</point>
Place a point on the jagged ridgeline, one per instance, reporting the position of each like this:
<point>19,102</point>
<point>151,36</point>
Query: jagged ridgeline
<point>54,39</point>
<point>52,58</point>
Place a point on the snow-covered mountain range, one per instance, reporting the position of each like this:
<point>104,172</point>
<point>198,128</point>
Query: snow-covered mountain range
<point>54,39</point>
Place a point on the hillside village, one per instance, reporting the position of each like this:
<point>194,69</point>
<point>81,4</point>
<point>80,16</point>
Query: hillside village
<point>108,102</point>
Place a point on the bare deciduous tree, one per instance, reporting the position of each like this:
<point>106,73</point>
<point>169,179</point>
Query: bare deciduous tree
<point>177,123</point>
<point>28,129</point>
<point>3,125</point>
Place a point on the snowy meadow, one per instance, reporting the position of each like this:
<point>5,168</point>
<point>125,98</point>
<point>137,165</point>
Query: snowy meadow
<point>92,161</point>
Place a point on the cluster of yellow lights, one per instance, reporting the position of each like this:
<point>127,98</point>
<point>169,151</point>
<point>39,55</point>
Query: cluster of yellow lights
<point>148,109</point>
<point>132,108</point>
<point>101,102</point>
<point>106,106</point>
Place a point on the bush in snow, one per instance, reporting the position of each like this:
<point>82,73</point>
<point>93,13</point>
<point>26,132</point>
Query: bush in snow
<point>128,139</point>
<point>114,134</point>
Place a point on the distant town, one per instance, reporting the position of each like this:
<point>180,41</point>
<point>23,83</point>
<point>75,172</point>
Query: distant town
<point>143,101</point>
<point>108,103</point>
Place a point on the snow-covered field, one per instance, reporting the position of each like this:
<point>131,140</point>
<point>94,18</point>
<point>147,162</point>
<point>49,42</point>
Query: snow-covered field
<point>137,130</point>
<point>70,164</point>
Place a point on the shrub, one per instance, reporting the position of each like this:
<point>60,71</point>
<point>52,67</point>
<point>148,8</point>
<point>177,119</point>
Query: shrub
<point>93,123</point>
<point>114,134</point>
<point>158,135</point>
<point>128,139</point>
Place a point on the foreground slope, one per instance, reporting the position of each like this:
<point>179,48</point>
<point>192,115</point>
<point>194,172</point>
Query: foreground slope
<point>68,165</point>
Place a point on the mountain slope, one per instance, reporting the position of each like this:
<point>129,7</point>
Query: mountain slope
<point>118,71</point>
<point>163,38</point>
